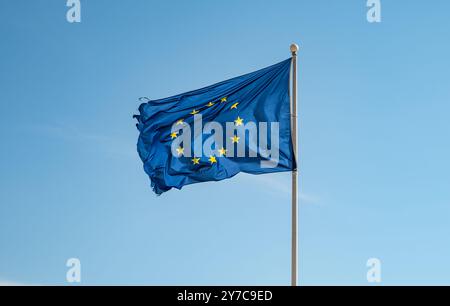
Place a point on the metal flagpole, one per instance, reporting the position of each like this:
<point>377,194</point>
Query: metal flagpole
<point>294,263</point>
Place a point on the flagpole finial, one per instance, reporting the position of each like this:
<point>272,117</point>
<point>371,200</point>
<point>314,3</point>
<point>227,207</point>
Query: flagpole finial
<point>294,49</point>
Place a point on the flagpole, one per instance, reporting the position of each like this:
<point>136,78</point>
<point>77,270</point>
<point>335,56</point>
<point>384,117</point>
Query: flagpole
<point>294,256</point>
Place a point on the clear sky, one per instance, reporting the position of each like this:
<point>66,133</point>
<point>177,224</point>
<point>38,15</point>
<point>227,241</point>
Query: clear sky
<point>374,143</point>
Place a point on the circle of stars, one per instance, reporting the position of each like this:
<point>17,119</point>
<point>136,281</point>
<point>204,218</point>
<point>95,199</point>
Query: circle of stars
<point>222,152</point>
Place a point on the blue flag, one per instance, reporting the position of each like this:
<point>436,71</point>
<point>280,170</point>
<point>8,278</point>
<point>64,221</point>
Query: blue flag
<point>211,134</point>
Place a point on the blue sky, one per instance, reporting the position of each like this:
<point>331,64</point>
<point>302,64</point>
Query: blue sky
<point>373,143</point>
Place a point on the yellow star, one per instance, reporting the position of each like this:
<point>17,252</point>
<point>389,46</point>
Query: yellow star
<point>180,122</point>
<point>174,135</point>
<point>196,161</point>
<point>180,151</point>
<point>194,112</point>
<point>223,100</point>
<point>234,106</point>
<point>235,139</point>
<point>212,159</point>
<point>222,152</point>
<point>210,104</point>
<point>239,121</point>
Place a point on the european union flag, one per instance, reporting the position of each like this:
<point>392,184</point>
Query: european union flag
<point>211,134</point>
